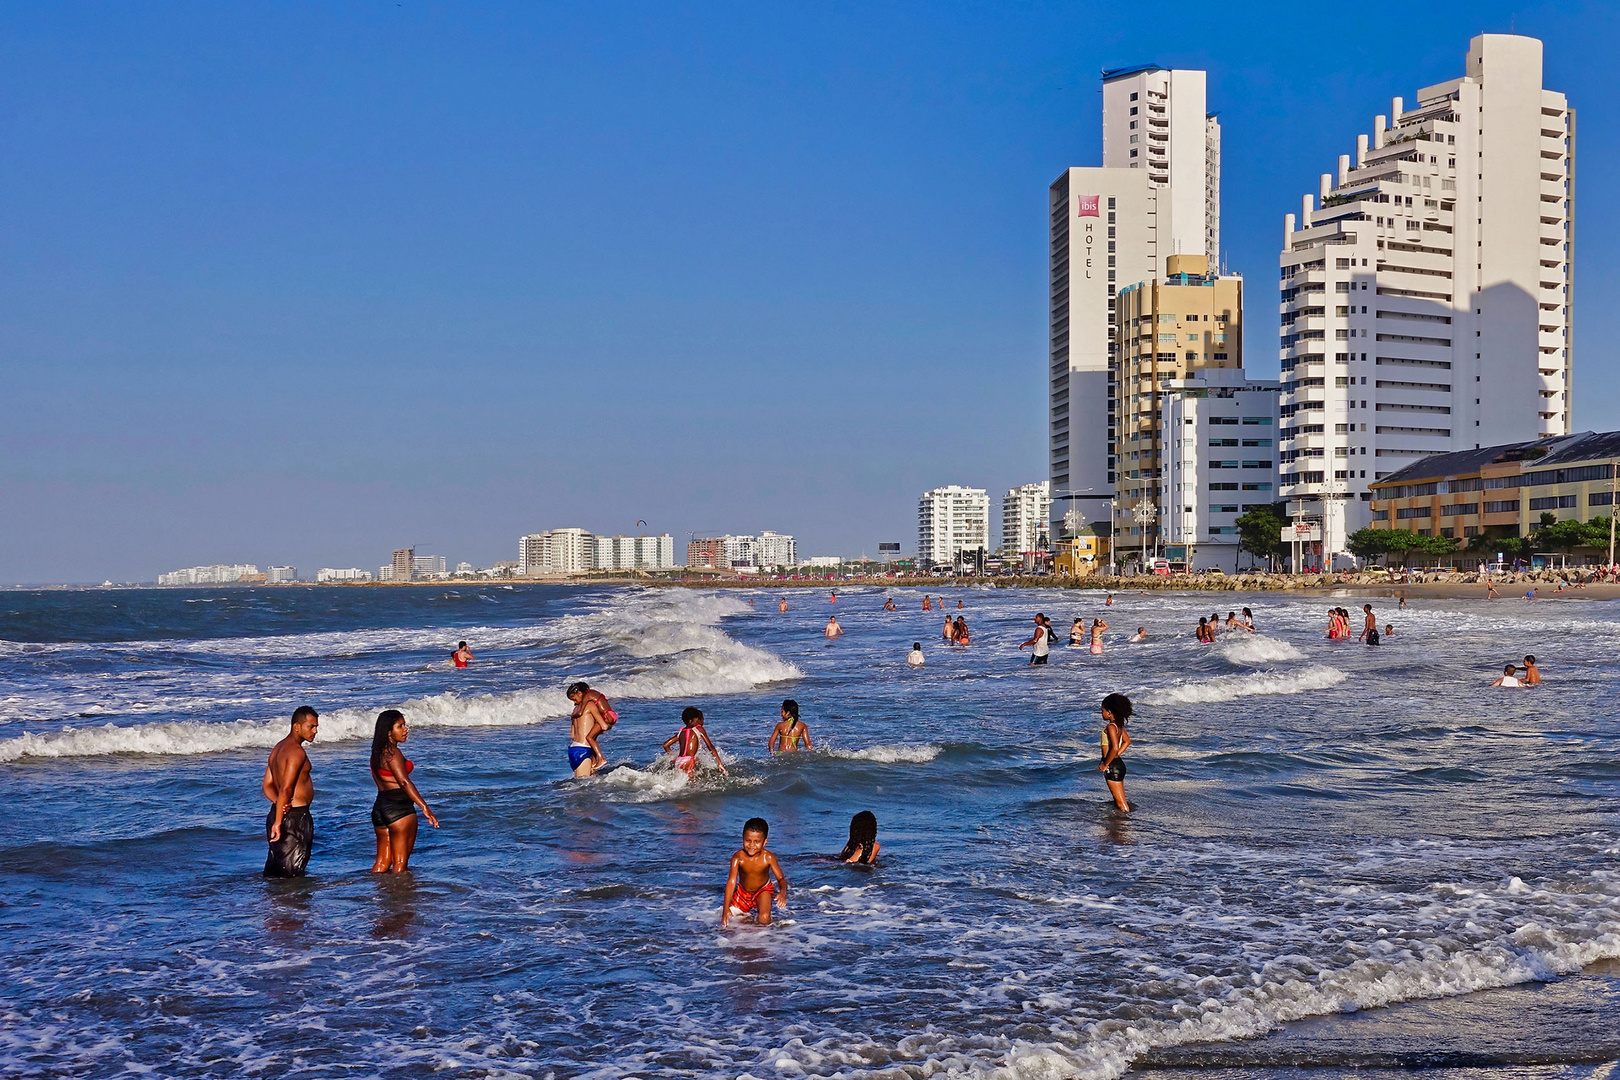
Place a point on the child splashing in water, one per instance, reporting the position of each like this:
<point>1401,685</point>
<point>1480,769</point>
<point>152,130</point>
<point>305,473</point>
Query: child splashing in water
<point>691,738</point>
<point>748,886</point>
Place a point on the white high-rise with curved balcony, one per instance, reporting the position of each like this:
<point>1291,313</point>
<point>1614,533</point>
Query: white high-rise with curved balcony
<point>1426,299</point>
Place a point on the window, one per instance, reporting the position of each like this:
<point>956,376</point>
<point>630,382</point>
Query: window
<point>1133,98</point>
<point>1341,264</point>
<point>1414,512</point>
<point>1133,107</point>
<point>1262,486</point>
<point>1468,509</point>
<point>1256,442</point>
<point>1257,464</point>
<point>1265,420</point>
<point>1223,487</point>
<point>1553,502</point>
<point>1223,442</point>
<point>1224,509</point>
<point>1505,506</point>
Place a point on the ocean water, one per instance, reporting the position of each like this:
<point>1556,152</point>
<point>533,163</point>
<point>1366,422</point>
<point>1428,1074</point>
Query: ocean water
<point>1325,835</point>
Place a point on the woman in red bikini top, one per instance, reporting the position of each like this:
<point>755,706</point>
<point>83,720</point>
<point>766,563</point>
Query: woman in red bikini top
<point>393,815</point>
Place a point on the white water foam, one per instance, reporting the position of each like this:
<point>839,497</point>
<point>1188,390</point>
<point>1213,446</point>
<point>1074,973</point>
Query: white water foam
<point>1258,649</point>
<point>694,659</point>
<point>1257,684</point>
<point>890,754</point>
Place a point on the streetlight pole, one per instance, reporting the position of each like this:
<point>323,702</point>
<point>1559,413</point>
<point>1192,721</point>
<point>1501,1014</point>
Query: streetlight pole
<point>1614,478</point>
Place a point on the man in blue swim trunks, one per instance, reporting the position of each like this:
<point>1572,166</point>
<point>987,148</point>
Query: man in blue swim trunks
<point>584,755</point>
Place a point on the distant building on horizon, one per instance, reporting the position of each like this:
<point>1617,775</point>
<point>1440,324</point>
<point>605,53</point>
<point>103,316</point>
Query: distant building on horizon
<point>1026,518</point>
<point>634,552</point>
<point>708,552</point>
<point>776,549</point>
<point>327,573</point>
<point>281,575</point>
<point>403,567</point>
<point>218,574</point>
<point>951,520</point>
<point>556,551</point>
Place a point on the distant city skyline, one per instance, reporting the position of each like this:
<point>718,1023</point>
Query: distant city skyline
<point>298,287</point>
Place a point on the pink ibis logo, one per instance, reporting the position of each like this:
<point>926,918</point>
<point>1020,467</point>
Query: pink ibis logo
<point>1088,206</point>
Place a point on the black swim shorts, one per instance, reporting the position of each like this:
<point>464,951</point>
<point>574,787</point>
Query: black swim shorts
<point>1037,660</point>
<point>289,856</point>
<point>390,807</point>
<point>1116,771</point>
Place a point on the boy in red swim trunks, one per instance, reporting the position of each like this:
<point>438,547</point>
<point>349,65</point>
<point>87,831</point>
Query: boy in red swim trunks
<point>748,887</point>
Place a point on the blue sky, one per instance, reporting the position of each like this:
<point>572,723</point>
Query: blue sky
<point>299,284</point>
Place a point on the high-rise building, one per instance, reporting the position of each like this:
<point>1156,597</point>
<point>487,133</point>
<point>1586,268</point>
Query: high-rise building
<point>218,574</point>
<point>1218,437</point>
<point>1026,518</point>
<point>281,575</point>
<point>951,520</point>
<point>709,551</point>
<point>740,550</point>
<point>635,552</point>
<point>403,567</point>
<point>1157,194</point>
<point>427,567</point>
<point>1188,320</point>
<point>556,551</point>
<point>1426,286</point>
<point>776,549</point>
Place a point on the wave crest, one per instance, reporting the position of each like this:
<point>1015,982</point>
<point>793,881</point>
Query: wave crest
<point>1257,684</point>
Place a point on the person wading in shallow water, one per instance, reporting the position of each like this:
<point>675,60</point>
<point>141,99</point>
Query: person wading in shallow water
<point>288,784</point>
<point>393,815</point>
<point>1116,710</point>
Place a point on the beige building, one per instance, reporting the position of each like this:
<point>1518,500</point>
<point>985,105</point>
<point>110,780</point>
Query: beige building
<point>1168,328</point>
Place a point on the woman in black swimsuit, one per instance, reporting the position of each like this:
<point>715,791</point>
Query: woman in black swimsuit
<point>863,842</point>
<point>393,815</point>
<point>1116,710</point>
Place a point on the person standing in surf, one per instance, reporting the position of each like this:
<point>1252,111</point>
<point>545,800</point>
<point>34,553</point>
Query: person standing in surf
<point>962,637</point>
<point>1041,643</point>
<point>1369,633</point>
<point>949,632</point>
<point>592,716</point>
<point>833,629</point>
<point>785,737</point>
<point>748,885</point>
<point>462,656</point>
<point>288,784</point>
<point>393,815</point>
<point>1097,629</point>
<point>692,736</point>
<point>1116,710</point>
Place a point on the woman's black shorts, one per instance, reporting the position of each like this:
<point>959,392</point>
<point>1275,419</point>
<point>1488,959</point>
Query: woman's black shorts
<point>390,807</point>
<point>1116,771</point>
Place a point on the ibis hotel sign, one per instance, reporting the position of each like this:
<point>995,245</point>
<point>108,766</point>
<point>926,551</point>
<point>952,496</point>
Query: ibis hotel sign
<point>1088,208</point>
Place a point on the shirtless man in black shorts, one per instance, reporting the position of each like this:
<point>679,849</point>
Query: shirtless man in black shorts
<point>288,827</point>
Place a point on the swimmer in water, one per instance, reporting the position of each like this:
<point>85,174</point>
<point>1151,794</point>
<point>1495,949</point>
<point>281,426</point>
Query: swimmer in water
<point>393,814</point>
<point>462,656</point>
<point>288,784</point>
<point>1110,601</point>
<point>748,885</point>
<point>888,604</point>
<point>1139,636</point>
<point>1203,630</point>
<point>1248,620</point>
<point>1041,642</point>
<point>1077,634</point>
<point>863,843</point>
<point>949,631</point>
<point>1369,632</point>
<point>915,656</point>
<point>1507,678</point>
<point>1389,629</point>
<point>833,629</point>
<point>781,605</point>
<point>691,738</point>
<point>928,605</point>
<point>785,737</point>
<point>959,605</point>
<point>1116,710</point>
<point>1532,674</point>
<point>961,632</point>
<point>1402,605</point>
<point>1097,628</point>
<point>1231,621</point>
<point>833,599</point>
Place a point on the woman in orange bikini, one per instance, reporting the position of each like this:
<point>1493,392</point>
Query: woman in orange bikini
<point>393,815</point>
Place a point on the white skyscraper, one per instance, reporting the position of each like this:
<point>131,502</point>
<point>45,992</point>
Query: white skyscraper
<point>1157,194</point>
<point>635,552</point>
<point>951,520</point>
<point>556,551</point>
<point>1026,513</point>
<point>776,549</point>
<point>1426,287</point>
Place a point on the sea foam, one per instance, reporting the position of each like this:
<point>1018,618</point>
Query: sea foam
<point>1256,684</point>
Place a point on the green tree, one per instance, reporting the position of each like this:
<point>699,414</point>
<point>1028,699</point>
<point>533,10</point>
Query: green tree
<point>1260,531</point>
<point>1368,543</point>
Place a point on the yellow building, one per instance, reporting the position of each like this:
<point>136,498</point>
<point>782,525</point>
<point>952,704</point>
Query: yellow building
<point>1166,330</point>
<point>1080,556</point>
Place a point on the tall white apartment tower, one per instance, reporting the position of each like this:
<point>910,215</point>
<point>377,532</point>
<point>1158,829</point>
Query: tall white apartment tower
<point>1026,513</point>
<point>951,520</point>
<point>1157,194</point>
<point>1426,286</point>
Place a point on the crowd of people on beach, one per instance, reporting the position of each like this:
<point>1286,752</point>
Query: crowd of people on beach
<point>755,879</point>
